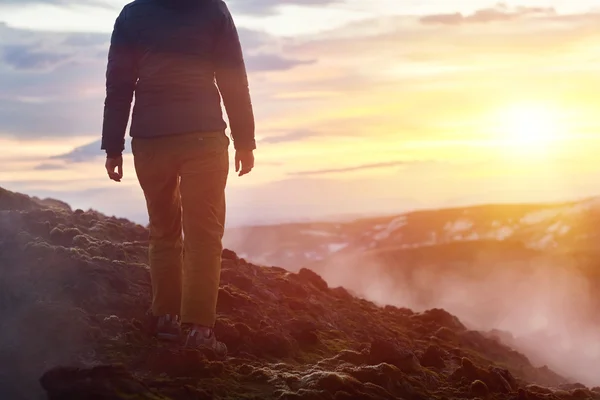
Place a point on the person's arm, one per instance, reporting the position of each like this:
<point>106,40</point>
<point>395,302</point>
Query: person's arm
<point>232,80</point>
<point>121,79</point>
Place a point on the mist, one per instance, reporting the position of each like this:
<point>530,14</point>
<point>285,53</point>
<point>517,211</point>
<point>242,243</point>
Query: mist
<point>543,307</point>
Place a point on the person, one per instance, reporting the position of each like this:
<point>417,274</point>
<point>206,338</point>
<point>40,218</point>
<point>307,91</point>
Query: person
<point>180,58</point>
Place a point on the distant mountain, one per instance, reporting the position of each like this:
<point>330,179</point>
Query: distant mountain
<point>75,288</point>
<point>563,226</point>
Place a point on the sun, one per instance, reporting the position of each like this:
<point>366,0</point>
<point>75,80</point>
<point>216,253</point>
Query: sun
<point>529,125</point>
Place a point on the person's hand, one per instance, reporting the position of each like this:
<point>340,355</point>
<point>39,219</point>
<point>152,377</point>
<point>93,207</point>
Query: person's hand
<point>112,164</point>
<point>244,161</point>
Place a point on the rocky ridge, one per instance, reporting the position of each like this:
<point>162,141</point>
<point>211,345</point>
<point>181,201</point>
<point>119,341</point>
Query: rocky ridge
<point>552,227</point>
<point>75,287</point>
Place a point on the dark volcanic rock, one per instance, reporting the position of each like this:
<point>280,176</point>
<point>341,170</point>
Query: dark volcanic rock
<point>104,382</point>
<point>433,357</point>
<point>229,255</point>
<point>497,380</point>
<point>440,319</point>
<point>384,351</point>
<point>479,389</point>
<point>75,289</point>
<point>304,331</point>
<point>311,277</point>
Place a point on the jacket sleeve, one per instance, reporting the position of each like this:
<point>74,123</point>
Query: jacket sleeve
<point>121,78</point>
<point>232,80</point>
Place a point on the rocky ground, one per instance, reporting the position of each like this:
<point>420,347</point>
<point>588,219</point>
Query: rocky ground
<point>74,289</point>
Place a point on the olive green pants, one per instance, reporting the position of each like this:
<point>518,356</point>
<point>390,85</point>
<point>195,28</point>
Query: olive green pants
<point>183,178</point>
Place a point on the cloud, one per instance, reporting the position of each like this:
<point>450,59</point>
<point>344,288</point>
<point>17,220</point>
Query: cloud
<point>68,3</point>
<point>84,39</point>
<point>248,7</point>
<point>414,56</point>
<point>88,152</point>
<point>290,137</point>
<point>385,35</point>
<point>27,57</point>
<point>486,15</point>
<point>388,164</point>
<point>272,62</point>
<point>28,118</point>
<point>49,167</point>
<point>253,40</point>
<point>261,7</point>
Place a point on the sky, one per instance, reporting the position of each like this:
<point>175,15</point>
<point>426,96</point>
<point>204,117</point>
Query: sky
<point>362,107</point>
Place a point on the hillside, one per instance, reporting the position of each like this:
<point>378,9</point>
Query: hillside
<point>75,287</point>
<point>529,269</point>
<point>572,226</point>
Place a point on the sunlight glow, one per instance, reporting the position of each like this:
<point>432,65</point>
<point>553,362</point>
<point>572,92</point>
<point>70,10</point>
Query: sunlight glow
<point>530,125</point>
<point>528,130</point>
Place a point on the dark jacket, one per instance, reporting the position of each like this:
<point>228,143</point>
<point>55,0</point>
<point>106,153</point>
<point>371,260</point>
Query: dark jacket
<point>173,54</point>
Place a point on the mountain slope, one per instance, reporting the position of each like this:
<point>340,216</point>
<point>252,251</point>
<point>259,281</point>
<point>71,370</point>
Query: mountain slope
<point>530,269</point>
<point>74,290</point>
<point>572,225</point>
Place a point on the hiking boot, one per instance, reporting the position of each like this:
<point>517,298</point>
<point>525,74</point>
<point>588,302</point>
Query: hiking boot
<point>166,327</point>
<point>197,339</point>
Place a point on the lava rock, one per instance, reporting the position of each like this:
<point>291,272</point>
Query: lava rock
<point>313,278</point>
<point>433,357</point>
<point>383,351</point>
<point>441,318</point>
<point>229,255</point>
<point>304,331</point>
<point>479,389</point>
<point>101,383</point>
<point>273,344</point>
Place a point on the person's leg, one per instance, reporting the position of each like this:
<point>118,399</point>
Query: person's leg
<point>204,171</point>
<point>157,172</point>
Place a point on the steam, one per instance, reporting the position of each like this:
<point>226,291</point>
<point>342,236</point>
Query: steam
<point>35,335</point>
<point>544,307</point>
<point>40,324</point>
